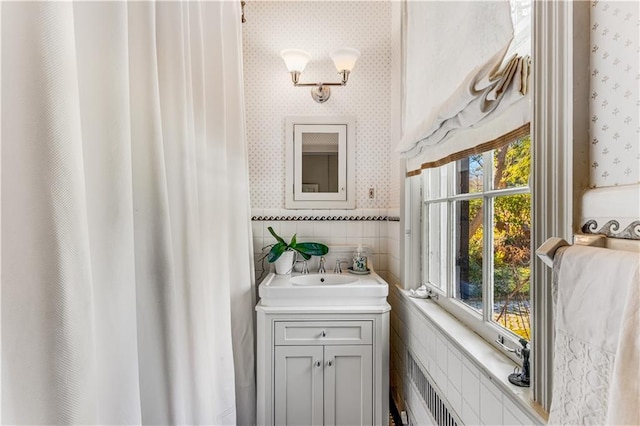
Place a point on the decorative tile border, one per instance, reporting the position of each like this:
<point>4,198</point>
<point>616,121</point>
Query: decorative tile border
<point>393,219</point>
<point>318,218</point>
<point>631,232</point>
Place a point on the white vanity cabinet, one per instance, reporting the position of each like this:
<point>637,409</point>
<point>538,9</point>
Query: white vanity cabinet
<point>323,372</point>
<point>324,365</point>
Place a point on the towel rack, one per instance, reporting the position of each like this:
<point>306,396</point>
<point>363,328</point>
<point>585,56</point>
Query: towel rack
<point>547,250</point>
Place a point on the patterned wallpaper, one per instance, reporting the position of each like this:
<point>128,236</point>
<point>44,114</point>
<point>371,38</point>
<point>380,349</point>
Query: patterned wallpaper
<point>615,97</point>
<point>318,27</point>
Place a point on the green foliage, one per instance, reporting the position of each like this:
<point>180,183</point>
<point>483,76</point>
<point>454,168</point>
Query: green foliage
<point>511,233</point>
<point>516,164</point>
<point>306,250</point>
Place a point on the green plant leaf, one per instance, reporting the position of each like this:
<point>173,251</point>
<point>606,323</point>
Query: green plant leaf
<point>276,251</point>
<point>280,240</point>
<point>292,244</point>
<point>305,256</point>
<point>312,249</point>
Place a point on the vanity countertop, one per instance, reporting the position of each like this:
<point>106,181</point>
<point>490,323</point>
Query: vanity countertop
<point>345,289</point>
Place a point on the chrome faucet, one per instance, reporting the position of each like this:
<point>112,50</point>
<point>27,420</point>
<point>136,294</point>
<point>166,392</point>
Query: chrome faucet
<point>321,269</point>
<point>305,268</point>
<point>338,269</point>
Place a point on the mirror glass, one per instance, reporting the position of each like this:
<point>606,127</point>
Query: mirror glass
<point>320,167</point>
<point>320,162</point>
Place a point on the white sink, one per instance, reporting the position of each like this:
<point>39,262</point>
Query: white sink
<point>323,279</point>
<point>337,290</point>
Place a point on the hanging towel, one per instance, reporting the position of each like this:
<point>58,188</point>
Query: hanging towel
<point>624,396</point>
<point>593,339</point>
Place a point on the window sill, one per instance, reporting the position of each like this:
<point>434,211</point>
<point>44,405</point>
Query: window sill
<point>493,363</point>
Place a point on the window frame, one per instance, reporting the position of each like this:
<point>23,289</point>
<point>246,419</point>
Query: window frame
<point>480,322</point>
<point>560,166</point>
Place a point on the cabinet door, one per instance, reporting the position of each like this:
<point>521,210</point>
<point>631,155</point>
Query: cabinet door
<point>348,385</point>
<point>298,385</point>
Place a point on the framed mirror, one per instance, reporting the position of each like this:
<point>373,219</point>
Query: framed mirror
<point>320,162</point>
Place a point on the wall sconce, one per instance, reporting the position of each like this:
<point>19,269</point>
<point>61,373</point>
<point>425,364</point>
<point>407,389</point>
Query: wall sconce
<point>296,60</point>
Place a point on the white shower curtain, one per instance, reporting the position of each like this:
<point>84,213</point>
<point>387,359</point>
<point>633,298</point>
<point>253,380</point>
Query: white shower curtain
<point>127,291</point>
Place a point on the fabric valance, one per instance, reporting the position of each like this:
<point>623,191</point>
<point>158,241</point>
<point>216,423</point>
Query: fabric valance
<point>459,91</point>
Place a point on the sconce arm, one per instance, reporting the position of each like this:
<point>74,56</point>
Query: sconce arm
<point>321,91</point>
<point>295,78</point>
<point>317,84</point>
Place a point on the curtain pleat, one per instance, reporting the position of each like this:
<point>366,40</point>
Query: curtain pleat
<point>103,86</point>
<point>240,243</point>
<point>47,279</point>
<point>127,287</point>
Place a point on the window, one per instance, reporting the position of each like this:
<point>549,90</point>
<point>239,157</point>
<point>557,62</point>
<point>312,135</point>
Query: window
<point>477,239</point>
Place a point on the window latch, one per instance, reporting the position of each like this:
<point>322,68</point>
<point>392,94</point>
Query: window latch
<point>517,351</point>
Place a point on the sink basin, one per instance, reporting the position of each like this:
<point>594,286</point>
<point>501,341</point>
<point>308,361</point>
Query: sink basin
<point>336,290</point>
<point>322,279</point>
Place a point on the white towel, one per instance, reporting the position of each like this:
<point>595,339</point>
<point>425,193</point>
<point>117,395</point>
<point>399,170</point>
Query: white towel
<point>624,395</point>
<point>593,288</point>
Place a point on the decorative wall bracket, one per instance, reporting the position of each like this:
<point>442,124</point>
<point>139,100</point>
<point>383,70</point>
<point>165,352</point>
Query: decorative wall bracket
<point>631,232</point>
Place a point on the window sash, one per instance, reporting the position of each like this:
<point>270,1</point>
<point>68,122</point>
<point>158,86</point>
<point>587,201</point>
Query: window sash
<point>482,323</point>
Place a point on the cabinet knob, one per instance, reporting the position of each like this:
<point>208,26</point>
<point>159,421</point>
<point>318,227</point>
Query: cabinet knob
<point>330,363</point>
<point>317,364</point>
<point>323,334</point>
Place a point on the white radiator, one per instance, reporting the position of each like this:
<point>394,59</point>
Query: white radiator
<point>425,402</point>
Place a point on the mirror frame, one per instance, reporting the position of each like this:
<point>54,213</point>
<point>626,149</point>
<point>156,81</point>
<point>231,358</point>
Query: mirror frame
<point>294,172</point>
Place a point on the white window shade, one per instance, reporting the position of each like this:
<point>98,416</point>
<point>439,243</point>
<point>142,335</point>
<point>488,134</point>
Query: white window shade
<point>459,91</point>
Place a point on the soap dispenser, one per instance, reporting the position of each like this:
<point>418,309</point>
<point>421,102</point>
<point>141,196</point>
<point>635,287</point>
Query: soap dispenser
<point>360,260</point>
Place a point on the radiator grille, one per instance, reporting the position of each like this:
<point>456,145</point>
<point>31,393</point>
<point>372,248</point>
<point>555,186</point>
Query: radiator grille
<point>432,400</point>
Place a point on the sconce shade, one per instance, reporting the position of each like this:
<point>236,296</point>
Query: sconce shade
<point>295,59</point>
<point>345,58</point>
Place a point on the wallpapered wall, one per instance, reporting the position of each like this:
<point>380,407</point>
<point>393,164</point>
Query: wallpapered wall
<point>318,27</point>
<point>615,97</point>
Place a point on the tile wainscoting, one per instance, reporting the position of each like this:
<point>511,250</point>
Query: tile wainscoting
<point>468,374</point>
<point>370,227</point>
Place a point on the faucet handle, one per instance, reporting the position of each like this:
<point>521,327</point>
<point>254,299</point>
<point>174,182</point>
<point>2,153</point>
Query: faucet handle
<point>338,268</point>
<point>321,268</point>
<point>305,268</point>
